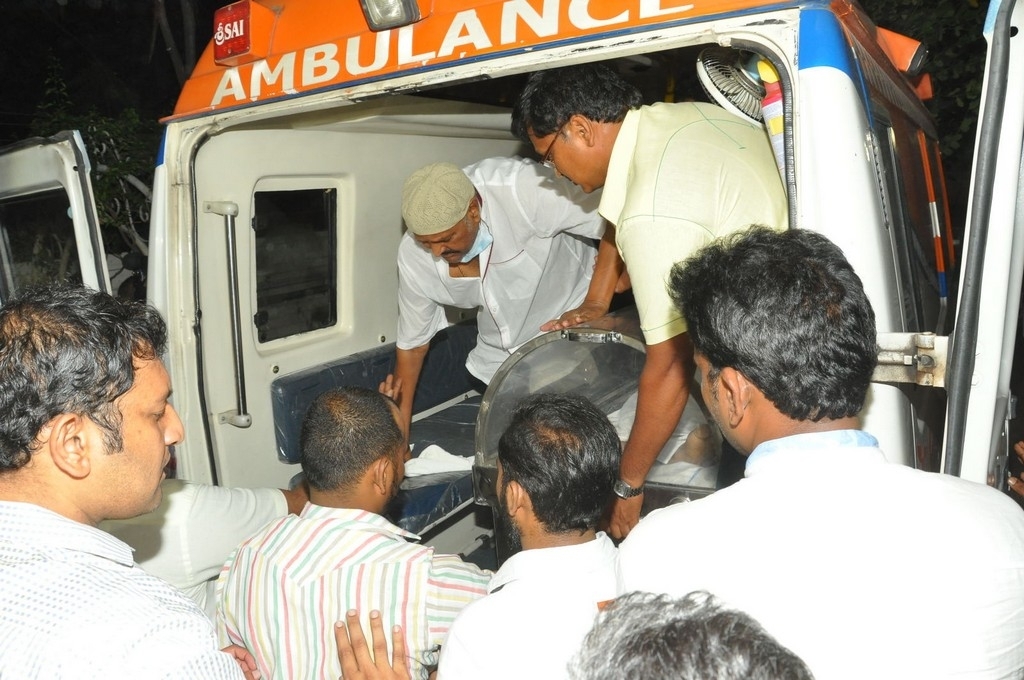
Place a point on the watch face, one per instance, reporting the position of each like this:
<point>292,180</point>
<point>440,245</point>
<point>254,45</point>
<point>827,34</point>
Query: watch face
<point>623,490</point>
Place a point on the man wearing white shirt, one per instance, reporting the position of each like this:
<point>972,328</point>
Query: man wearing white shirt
<point>85,433</point>
<point>557,462</point>
<point>863,568</point>
<point>503,235</point>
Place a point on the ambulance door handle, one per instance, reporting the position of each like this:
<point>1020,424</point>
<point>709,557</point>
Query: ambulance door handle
<point>239,417</point>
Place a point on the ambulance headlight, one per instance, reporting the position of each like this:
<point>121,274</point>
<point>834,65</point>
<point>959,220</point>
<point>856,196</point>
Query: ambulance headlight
<point>385,14</point>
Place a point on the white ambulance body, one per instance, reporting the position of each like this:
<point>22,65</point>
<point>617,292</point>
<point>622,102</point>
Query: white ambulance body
<point>276,221</point>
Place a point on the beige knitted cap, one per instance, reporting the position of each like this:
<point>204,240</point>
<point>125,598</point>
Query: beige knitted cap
<point>435,197</point>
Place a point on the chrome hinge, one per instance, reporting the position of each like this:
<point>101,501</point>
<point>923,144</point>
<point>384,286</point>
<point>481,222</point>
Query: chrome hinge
<point>912,358</point>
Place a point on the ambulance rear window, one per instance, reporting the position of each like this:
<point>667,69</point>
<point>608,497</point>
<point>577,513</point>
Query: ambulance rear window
<point>296,276</point>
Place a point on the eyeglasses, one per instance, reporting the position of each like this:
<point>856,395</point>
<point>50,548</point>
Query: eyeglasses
<point>546,161</point>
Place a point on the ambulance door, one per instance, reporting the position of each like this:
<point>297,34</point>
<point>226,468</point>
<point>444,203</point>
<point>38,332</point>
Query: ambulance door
<point>48,224</point>
<point>298,231</point>
<point>982,345</point>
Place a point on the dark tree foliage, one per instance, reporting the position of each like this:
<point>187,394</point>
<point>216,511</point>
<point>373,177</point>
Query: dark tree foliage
<point>952,31</point>
<point>121,152</point>
<point>111,69</point>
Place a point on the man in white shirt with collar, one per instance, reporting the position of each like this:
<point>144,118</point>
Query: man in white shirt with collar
<point>863,568</point>
<point>557,462</point>
<point>503,235</point>
<point>85,432</point>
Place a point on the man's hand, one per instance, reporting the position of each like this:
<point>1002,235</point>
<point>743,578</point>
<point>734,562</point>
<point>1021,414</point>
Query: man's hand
<point>245,661</point>
<point>391,387</point>
<point>574,317</point>
<point>354,652</point>
<point>625,515</point>
<point>1016,484</point>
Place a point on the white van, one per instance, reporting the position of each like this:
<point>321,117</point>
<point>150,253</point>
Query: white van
<point>275,216</point>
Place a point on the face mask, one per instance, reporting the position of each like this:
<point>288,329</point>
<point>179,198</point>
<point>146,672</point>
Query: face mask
<point>483,240</point>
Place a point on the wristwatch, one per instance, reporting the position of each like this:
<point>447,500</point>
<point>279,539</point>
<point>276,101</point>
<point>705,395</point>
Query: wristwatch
<point>623,490</point>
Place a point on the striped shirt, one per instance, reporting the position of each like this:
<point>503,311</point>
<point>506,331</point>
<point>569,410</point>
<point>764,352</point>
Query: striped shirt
<point>282,591</point>
<point>76,606</point>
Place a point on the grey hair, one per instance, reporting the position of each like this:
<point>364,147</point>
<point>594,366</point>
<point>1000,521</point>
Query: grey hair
<point>657,637</point>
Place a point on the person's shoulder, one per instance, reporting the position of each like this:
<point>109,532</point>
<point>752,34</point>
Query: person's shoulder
<point>951,491</point>
<point>493,164</point>
<point>135,630</point>
<point>695,115</point>
<point>137,599</point>
<point>91,598</point>
<point>468,650</point>
<point>175,636</point>
<point>455,565</point>
<point>499,173</point>
<point>673,111</point>
<point>480,615</point>
<point>477,627</point>
<point>411,255</point>
<point>975,524</point>
<point>275,531</point>
<point>407,246</point>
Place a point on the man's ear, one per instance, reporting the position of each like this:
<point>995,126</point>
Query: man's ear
<point>737,393</point>
<point>581,127</point>
<point>71,440</point>
<point>383,474</point>
<point>516,499</point>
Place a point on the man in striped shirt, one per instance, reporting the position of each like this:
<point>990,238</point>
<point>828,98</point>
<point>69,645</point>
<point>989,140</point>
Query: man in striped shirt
<point>281,592</point>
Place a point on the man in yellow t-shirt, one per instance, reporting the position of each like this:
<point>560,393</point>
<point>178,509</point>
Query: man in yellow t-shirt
<point>675,178</point>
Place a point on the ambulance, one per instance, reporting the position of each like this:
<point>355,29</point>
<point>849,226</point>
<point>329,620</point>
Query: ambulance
<point>275,216</point>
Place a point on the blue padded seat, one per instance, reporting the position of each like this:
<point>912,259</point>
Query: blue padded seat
<point>426,500</point>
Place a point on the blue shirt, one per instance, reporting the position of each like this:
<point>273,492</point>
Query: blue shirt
<point>813,440</point>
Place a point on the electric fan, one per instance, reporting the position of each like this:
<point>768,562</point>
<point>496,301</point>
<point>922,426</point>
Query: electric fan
<point>729,77</point>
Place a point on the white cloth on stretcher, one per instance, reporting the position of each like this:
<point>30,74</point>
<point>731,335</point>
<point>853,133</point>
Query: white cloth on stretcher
<point>679,472</point>
<point>434,459</point>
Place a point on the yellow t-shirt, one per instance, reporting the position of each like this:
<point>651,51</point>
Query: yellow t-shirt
<point>680,176</point>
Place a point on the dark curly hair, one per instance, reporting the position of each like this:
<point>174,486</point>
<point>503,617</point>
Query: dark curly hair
<point>565,453</point>
<point>550,98</point>
<point>68,349</point>
<point>786,310</point>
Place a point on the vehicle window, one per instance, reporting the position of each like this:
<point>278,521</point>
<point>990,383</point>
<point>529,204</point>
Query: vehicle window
<point>910,208</point>
<point>38,241</point>
<point>296,277</point>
